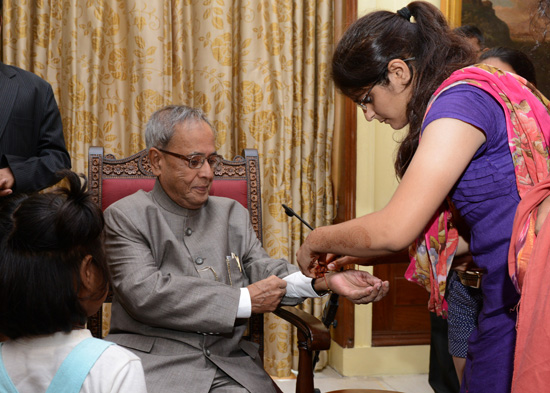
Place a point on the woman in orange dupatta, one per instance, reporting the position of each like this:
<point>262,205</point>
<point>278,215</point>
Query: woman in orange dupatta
<point>391,66</point>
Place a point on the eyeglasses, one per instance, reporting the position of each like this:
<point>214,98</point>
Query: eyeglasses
<point>362,103</point>
<point>196,161</point>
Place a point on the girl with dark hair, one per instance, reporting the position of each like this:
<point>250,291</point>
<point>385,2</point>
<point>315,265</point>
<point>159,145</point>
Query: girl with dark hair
<point>53,275</point>
<point>511,60</point>
<point>477,142</point>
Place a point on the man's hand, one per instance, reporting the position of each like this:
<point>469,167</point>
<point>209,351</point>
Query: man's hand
<point>267,294</point>
<point>358,286</point>
<point>6,181</point>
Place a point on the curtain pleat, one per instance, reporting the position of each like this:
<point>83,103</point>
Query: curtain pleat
<point>258,69</point>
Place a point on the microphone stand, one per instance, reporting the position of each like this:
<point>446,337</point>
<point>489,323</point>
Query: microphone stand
<point>329,313</point>
<point>291,213</point>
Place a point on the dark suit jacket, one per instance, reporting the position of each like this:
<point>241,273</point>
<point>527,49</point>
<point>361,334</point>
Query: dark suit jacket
<point>177,288</point>
<point>31,134</point>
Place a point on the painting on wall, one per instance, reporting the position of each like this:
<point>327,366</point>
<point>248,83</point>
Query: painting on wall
<point>512,23</point>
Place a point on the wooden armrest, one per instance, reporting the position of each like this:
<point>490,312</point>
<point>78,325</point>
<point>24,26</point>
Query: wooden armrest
<point>311,331</point>
<point>312,336</point>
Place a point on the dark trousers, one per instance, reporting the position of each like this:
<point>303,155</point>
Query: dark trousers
<point>442,376</point>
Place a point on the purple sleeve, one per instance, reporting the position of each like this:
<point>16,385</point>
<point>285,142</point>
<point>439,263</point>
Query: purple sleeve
<point>471,105</point>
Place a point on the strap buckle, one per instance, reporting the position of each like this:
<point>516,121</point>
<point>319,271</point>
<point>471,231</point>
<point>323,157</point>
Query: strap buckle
<point>471,278</point>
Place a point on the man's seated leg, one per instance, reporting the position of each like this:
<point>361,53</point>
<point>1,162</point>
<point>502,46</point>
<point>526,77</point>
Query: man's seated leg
<point>224,383</point>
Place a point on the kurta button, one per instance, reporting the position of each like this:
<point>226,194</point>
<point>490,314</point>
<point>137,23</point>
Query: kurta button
<point>199,261</point>
<point>207,352</point>
<point>188,232</point>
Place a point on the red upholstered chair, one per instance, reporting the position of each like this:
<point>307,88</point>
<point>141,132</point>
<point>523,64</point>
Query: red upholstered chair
<point>111,179</point>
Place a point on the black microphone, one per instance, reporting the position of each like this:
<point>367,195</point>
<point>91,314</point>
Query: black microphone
<point>291,213</point>
<point>332,304</point>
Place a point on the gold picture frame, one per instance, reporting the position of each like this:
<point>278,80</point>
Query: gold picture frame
<point>452,9</point>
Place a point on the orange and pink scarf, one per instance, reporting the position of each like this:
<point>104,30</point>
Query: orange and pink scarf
<point>531,360</point>
<point>528,128</point>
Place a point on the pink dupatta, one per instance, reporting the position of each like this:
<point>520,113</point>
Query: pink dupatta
<point>528,129</point>
<point>531,360</point>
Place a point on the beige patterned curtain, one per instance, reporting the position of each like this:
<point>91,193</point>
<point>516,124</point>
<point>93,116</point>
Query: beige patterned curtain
<point>259,69</point>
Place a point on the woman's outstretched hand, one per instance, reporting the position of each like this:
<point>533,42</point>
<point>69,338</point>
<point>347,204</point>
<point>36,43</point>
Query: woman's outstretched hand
<point>337,262</point>
<point>358,286</point>
<point>312,264</point>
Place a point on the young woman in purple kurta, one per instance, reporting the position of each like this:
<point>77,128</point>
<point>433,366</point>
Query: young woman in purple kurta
<point>486,197</point>
<point>456,150</point>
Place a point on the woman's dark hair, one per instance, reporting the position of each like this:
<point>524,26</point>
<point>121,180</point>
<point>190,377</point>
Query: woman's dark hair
<point>43,240</point>
<point>519,61</point>
<point>366,48</point>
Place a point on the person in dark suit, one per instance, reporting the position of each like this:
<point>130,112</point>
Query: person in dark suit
<point>32,145</point>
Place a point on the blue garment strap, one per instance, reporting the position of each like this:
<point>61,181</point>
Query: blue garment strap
<point>75,368</point>
<point>6,384</point>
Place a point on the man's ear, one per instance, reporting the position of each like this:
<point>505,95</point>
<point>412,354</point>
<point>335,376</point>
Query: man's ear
<point>399,72</point>
<point>155,156</point>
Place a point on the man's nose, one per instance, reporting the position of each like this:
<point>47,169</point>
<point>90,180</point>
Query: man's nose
<point>206,170</point>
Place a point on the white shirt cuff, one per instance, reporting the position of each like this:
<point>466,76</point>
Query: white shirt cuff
<point>298,285</point>
<point>245,304</point>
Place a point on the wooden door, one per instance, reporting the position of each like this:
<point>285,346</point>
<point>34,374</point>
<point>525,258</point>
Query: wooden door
<point>402,318</point>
